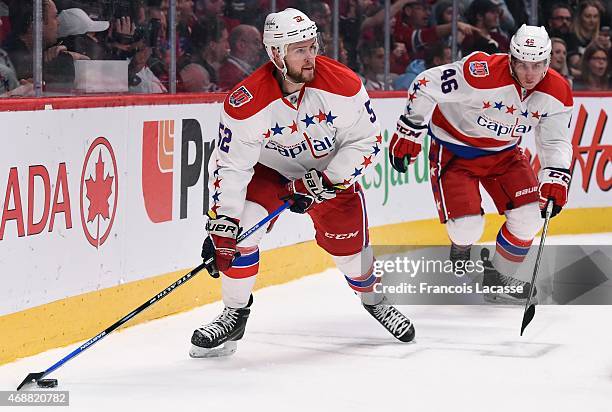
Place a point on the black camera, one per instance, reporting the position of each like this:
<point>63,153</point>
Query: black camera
<point>149,33</point>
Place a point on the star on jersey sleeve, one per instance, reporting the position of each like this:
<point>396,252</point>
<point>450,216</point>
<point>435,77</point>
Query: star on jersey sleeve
<point>359,143</point>
<point>236,152</point>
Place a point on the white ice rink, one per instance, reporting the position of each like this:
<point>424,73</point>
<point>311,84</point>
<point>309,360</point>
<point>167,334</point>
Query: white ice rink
<point>310,346</point>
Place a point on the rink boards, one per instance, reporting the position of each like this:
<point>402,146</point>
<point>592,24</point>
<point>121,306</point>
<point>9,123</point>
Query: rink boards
<point>104,201</point>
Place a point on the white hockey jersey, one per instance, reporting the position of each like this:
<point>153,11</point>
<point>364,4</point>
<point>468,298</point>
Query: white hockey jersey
<point>479,108</point>
<point>330,127</point>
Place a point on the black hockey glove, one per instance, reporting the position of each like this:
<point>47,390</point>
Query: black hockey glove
<point>308,191</point>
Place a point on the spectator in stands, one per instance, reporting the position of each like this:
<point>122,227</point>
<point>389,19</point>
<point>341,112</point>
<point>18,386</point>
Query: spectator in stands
<point>444,15</point>
<point>373,73</point>
<point>207,10</point>
<point>443,11</point>
<point>154,32</point>
<point>412,28</point>
<point>371,24</point>
<point>252,12</point>
<point>210,47</point>
<point>186,20</point>
<point>327,48</point>
<point>352,15</point>
<point>399,58</point>
<point>8,79</point>
<point>375,19</point>
<point>58,61</point>
<point>140,76</point>
<point>5,27</point>
<point>594,74</point>
<point>586,21</point>
<point>245,56</point>
<point>585,29</point>
<point>78,32</point>
<point>195,79</point>
<point>560,23</point>
<point>435,55</point>
<point>484,14</point>
<point>185,12</point>
<point>507,24</point>
<point>519,10</point>
<point>507,21</point>
<point>321,14</point>
<point>560,26</point>
<point>558,59</point>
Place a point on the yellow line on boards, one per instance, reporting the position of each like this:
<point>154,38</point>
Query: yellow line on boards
<point>77,318</point>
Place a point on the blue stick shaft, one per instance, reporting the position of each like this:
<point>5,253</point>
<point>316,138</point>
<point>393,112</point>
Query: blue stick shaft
<point>159,296</point>
<point>265,220</point>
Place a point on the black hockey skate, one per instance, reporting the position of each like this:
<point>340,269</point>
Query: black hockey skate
<point>459,256</point>
<point>492,278</point>
<point>226,330</point>
<point>393,320</point>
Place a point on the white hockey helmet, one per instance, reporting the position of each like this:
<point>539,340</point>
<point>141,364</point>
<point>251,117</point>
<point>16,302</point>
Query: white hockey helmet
<point>286,27</point>
<point>531,44</point>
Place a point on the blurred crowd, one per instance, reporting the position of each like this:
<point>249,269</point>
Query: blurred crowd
<point>89,44</point>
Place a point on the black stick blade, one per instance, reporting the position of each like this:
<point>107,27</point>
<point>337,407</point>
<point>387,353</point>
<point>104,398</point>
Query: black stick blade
<point>31,378</point>
<point>527,317</point>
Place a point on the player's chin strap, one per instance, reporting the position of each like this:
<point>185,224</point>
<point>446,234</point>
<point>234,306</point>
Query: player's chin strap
<point>283,72</point>
<point>282,53</point>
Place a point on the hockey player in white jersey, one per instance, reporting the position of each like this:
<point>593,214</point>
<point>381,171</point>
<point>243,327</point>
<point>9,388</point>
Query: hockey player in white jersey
<point>301,128</point>
<point>481,107</point>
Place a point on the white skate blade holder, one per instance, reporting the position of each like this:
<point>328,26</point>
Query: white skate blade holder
<point>500,299</point>
<point>227,349</point>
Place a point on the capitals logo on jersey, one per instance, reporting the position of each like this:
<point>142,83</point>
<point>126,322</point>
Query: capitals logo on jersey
<point>479,69</point>
<point>240,97</point>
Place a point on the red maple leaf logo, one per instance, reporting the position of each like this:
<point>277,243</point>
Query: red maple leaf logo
<point>98,192</point>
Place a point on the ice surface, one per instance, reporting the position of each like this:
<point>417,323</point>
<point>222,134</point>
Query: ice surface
<point>310,346</point>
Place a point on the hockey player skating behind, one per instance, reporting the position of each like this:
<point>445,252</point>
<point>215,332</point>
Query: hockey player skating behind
<point>301,128</point>
<point>482,106</point>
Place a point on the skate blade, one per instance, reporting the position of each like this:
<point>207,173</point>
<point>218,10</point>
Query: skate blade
<point>228,349</point>
<point>506,300</point>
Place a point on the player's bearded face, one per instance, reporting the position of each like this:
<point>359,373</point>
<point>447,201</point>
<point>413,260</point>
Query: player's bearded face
<point>528,74</point>
<point>300,60</point>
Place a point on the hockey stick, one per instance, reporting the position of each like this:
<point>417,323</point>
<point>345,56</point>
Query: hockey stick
<point>38,376</point>
<point>529,312</point>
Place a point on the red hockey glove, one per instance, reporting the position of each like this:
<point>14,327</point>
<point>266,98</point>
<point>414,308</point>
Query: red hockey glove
<point>554,184</point>
<point>406,144</point>
<point>307,191</point>
<point>223,232</point>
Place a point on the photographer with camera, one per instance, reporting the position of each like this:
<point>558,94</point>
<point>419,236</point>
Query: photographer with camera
<point>142,39</point>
